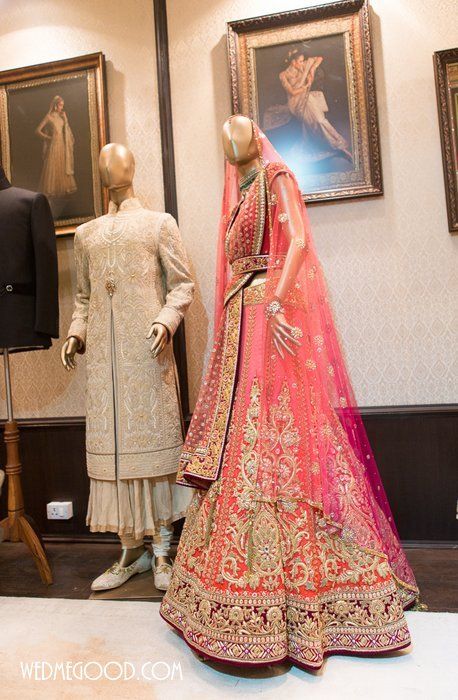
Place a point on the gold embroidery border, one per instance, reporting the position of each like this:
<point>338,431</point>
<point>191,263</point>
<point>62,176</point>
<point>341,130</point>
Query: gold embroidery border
<point>95,145</point>
<point>263,597</point>
<point>251,263</point>
<point>5,132</point>
<point>254,295</point>
<point>261,185</point>
<point>285,638</point>
<point>204,463</point>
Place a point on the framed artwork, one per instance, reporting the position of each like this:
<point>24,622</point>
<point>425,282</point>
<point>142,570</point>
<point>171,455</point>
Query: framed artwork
<point>306,77</point>
<point>446,71</point>
<point>53,123</point>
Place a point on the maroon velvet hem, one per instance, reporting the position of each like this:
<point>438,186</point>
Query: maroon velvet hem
<point>260,664</point>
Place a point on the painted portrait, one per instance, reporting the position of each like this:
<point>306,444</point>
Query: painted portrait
<point>304,107</point>
<point>53,124</point>
<point>306,78</point>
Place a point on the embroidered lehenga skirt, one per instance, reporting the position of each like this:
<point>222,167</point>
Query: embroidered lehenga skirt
<point>258,581</point>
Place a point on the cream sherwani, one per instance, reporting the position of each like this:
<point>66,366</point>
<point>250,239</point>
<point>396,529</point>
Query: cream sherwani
<point>132,270</point>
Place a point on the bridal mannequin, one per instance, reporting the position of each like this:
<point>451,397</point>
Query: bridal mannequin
<point>117,166</point>
<point>241,150</point>
<point>273,443</point>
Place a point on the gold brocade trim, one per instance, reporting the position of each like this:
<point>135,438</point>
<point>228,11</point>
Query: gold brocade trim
<point>230,221</point>
<point>95,145</point>
<point>256,263</point>
<point>252,263</point>
<point>253,629</point>
<point>236,285</point>
<point>204,463</point>
<point>260,183</point>
<point>4,131</point>
<point>254,295</point>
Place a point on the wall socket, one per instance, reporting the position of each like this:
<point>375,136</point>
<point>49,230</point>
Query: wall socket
<point>59,510</point>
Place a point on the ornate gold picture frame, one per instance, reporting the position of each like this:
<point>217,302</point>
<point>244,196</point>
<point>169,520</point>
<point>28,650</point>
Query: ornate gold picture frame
<point>306,77</point>
<point>53,123</point>
<point>446,72</point>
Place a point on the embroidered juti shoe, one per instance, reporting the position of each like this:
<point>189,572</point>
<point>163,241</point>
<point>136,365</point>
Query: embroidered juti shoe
<point>162,572</point>
<point>116,575</point>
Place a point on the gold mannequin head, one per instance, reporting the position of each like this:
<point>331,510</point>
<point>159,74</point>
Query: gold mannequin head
<point>116,166</point>
<point>239,143</point>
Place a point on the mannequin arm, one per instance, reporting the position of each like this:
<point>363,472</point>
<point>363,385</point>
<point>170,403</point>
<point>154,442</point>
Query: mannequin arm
<point>291,220</point>
<point>178,280</point>
<point>78,326</point>
<point>290,217</point>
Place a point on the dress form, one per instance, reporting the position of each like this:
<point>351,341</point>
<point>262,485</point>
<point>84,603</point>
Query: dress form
<point>18,526</point>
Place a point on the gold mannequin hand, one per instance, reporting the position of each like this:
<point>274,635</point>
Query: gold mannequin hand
<point>68,352</point>
<point>161,338</point>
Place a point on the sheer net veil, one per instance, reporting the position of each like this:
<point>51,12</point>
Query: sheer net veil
<point>311,443</point>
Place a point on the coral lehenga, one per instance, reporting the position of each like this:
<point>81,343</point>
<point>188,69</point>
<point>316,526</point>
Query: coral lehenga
<point>289,549</point>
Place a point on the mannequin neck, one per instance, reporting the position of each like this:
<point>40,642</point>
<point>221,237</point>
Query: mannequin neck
<point>118,196</point>
<point>4,182</point>
<point>244,168</point>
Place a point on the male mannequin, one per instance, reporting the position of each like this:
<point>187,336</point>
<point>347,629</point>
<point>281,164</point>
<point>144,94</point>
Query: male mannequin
<point>133,285</point>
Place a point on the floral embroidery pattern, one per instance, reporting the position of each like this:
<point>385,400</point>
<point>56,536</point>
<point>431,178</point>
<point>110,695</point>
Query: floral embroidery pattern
<point>261,580</point>
<point>286,555</point>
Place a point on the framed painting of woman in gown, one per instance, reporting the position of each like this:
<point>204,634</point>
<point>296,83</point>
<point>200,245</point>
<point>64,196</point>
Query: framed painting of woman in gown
<point>306,77</point>
<point>53,123</point>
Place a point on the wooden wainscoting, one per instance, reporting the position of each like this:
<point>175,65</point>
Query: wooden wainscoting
<point>416,448</point>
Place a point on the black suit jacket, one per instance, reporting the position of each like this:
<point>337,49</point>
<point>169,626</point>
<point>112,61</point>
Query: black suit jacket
<point>29,306</point>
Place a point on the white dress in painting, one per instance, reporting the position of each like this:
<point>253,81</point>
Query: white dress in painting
<point>57,174</point>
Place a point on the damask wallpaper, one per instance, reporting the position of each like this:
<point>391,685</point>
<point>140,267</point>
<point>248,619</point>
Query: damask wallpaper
<point>35,31</point>
<point>390,262</point>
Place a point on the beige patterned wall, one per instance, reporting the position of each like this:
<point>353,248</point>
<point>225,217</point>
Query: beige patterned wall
<point>35,31</point>
<point>391,264</point>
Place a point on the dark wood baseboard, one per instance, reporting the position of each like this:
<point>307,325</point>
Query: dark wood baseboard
<point>415,447</point>
<point>53,460</point>
<point>417,455</point>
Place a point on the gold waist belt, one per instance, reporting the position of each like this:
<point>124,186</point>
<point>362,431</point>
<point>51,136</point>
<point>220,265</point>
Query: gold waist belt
<point>253,263</point>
